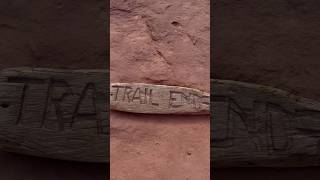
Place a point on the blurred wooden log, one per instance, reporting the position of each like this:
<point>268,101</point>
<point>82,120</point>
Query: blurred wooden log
<point>63,114</point>
<point>58,114</point>
<point>253,125</point>
<point>158,99</point>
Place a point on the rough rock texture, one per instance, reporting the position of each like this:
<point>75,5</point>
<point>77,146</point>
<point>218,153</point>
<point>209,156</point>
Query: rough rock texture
<point>52,34</point>
<point>160,42</point>
<point>273,43</point>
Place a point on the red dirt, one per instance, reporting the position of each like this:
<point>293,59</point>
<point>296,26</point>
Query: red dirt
<point>160,42</point>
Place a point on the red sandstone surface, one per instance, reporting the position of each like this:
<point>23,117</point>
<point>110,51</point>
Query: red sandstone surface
<point>161,42</point>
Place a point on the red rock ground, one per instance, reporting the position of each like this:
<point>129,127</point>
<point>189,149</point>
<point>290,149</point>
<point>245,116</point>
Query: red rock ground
<point>160,42</point>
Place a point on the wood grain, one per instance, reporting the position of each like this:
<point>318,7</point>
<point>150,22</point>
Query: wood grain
<point>254,125</point>
<point>59,114</point>
<point>158,99</point>
<point>63,114</point>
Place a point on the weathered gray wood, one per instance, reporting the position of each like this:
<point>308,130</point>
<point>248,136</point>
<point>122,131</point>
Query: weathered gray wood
<point>58,114</point>
<point>253,125</point>
<point>158,99</point>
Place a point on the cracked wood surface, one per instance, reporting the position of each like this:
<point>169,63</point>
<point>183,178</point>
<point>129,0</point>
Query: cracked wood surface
<point>253,125</point>
<point>58,114</point>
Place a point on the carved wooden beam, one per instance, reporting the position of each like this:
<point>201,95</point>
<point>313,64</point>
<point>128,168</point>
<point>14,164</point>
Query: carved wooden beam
<point>255,125</point>
<point>59,114</point>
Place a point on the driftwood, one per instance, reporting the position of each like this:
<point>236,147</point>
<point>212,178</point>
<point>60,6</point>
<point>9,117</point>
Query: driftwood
<point>158,99</point>
<point>253,125</point>
<point>63,114</point>
<point>55,113</point>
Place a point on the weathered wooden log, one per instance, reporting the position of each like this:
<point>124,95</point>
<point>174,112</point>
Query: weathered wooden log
<point>63,114</point>
<point>253,125</point>
<point>158,99</point>
<point>58,114</point>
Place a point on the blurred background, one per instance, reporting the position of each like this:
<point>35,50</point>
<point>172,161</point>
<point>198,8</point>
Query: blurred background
<point>52,34</point>
<point>273,43</point>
